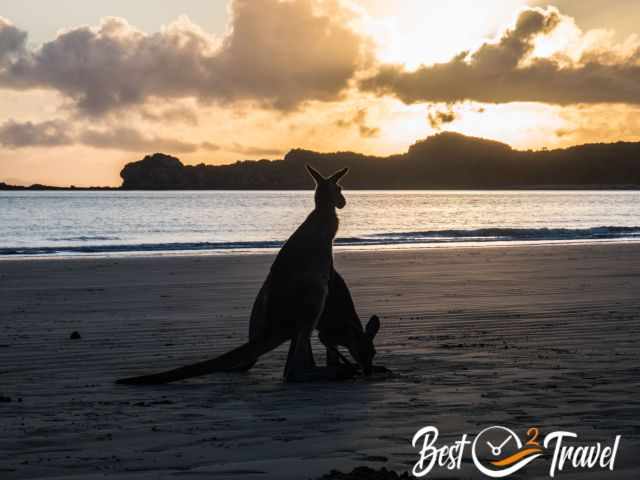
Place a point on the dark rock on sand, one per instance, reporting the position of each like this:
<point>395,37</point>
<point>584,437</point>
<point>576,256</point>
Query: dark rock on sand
<point>75,336</point>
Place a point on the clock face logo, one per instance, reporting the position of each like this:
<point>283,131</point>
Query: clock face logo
<point>498,452</point>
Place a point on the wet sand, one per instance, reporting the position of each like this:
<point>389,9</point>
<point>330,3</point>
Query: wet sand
<point>516,336</point>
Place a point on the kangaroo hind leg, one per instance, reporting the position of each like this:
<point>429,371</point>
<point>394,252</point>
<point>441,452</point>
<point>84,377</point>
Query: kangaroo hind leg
<point>300,366</point>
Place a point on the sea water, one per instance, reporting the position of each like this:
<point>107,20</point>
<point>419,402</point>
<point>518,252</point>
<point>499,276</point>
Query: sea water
<point>152,222</point>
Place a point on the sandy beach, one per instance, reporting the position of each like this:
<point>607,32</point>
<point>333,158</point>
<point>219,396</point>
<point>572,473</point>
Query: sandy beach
<point>521,336</point>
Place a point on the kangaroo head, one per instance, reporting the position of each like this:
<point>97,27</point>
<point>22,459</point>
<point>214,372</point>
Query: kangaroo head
<point>328,191</point>
<point>362,348</point>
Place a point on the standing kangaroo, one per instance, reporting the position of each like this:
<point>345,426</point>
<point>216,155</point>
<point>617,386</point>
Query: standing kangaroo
<point>294,300</point>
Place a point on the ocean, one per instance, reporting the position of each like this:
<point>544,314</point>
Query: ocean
<point>54,223</point>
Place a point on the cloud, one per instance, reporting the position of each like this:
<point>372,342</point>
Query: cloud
<point>129,139</point>
<point>359,120</point>
<point>509,71</point>
<point>437,118</point>
<point>52,133</point>
<point>621,15</point>
<point>368,132</point>
<point>171,115</point>
<point>28,134</point>
<point>278,53</point>
<point>12,40</point>
<point>212,147</point>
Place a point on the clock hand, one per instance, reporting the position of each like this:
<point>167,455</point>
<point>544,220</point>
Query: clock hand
<point>505,442</point>
<point>494,450</point>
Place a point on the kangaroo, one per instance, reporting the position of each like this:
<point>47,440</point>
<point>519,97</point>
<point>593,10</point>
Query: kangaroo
<point>291,302</point>
<point>339,325</point>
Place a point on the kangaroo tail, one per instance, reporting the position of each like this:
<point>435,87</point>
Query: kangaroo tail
<point>230,361</point>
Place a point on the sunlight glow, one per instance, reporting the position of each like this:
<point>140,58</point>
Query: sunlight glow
<point>431,32</point>
<point>521,125</point>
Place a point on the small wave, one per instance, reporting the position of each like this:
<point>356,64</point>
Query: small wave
<point>150,247</point>
<point>391,238</point>
<point>83,239</point>
<point>513,234</point>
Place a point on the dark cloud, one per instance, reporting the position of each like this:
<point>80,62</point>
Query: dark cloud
<point>12,40</point>
<point>504,72</point>
<point>359,120</point>
<point>171,115</point>
<point>286,53</point>
<point>52,133</point>
<point>28,134</point>
<point>438,118</point>
<point>212,147</point>
<point>278,53</point>
<point>368,132</point>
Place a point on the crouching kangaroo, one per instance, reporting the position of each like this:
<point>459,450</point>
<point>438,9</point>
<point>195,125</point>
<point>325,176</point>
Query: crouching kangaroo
<point>291,304</point>
<point>340,326</point>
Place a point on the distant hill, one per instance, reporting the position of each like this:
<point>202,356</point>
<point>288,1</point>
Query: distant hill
<point>445,160</point>
<point>37,186</point>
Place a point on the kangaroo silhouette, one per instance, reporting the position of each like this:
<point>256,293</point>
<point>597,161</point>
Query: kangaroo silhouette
<point>302,292</point>
<point>339,325</point>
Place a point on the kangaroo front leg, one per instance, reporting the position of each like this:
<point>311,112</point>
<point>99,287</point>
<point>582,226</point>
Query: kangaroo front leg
<point>332,357</point>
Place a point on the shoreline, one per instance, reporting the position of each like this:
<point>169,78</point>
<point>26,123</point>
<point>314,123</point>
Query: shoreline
<point>532,188</point>
<point>270,251</point>
<point>520,336</point>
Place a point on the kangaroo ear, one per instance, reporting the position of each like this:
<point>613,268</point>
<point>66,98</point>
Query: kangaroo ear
<point>372,327</point>
<point>315,174</point>
<point>339,174</point>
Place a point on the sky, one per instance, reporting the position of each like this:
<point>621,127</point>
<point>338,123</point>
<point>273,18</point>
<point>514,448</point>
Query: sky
<point>86,87</point>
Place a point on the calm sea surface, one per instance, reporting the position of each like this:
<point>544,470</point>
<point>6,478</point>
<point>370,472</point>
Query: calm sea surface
<point>89,223</point>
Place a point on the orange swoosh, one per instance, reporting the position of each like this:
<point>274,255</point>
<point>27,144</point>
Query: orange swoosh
<point>505,462</point>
